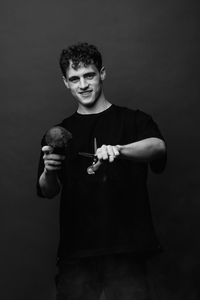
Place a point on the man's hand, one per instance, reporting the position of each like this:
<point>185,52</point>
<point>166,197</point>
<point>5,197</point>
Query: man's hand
<point>104,153</point>
<point>52,162</point>
<point>49,181</point>
<point>108,152</point>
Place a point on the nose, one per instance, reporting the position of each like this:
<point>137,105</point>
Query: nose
<point>83,83</point>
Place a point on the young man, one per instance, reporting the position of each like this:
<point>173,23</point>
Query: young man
<point>106,229</point>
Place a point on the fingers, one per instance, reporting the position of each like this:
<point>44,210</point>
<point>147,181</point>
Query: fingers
<point>107,152</point>
<point>52,165</point>
<point>52,162</point>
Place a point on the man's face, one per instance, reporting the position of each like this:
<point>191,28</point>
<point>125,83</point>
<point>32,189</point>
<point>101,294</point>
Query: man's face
<point>85,83</point>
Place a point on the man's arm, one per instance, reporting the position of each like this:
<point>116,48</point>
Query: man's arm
<point>151,150</point>
<point>49,182</point>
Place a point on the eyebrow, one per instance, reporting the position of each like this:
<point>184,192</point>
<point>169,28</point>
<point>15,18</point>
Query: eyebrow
<point>73,78</point>
<point>85,75</point>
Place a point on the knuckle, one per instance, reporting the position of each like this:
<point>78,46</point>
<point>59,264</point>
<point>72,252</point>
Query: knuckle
<point>98,151</point>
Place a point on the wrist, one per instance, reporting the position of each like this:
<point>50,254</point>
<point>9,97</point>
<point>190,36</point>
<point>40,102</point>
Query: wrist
<point>46,172</point>
<point>120,148</point>
<point>127,151</point>
<point>49,174</point>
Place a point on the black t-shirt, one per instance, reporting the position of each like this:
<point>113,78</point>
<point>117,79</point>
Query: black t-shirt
<point>107,212</point>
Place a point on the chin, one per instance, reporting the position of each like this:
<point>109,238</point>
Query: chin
<point>88,102</point>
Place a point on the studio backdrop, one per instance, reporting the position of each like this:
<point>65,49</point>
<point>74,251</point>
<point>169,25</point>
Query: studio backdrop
<point>151,54</point>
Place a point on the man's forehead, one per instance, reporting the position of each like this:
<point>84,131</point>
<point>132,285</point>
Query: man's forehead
<point>80,68</point>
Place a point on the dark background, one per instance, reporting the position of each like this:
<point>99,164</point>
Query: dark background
<point>151,53</point>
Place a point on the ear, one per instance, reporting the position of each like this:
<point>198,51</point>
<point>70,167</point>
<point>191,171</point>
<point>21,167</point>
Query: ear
<point>65,82</point>
<point>103,73</point>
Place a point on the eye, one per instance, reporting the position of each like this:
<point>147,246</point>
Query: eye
<point>90,75</point>
<point>74,79</point>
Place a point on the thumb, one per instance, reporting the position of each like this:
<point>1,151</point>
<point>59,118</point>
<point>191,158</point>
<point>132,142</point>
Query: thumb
<point>47,149</point>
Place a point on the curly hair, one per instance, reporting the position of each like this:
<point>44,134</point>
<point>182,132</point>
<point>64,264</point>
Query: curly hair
<point>80,53</point>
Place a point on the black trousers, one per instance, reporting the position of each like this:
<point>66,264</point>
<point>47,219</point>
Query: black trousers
<point>118,277</point>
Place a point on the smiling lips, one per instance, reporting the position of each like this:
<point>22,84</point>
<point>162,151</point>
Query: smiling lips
<point>86,93</point>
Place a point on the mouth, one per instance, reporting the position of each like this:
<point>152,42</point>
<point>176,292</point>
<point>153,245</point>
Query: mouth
<point>86,93</point>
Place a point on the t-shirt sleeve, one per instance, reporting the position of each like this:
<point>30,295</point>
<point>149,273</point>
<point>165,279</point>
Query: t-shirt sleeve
<point>146,127</point>
<point>40,169</point>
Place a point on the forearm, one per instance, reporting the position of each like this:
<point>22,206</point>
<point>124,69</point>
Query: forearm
<point>146,150</point>
<point>49,183</point>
